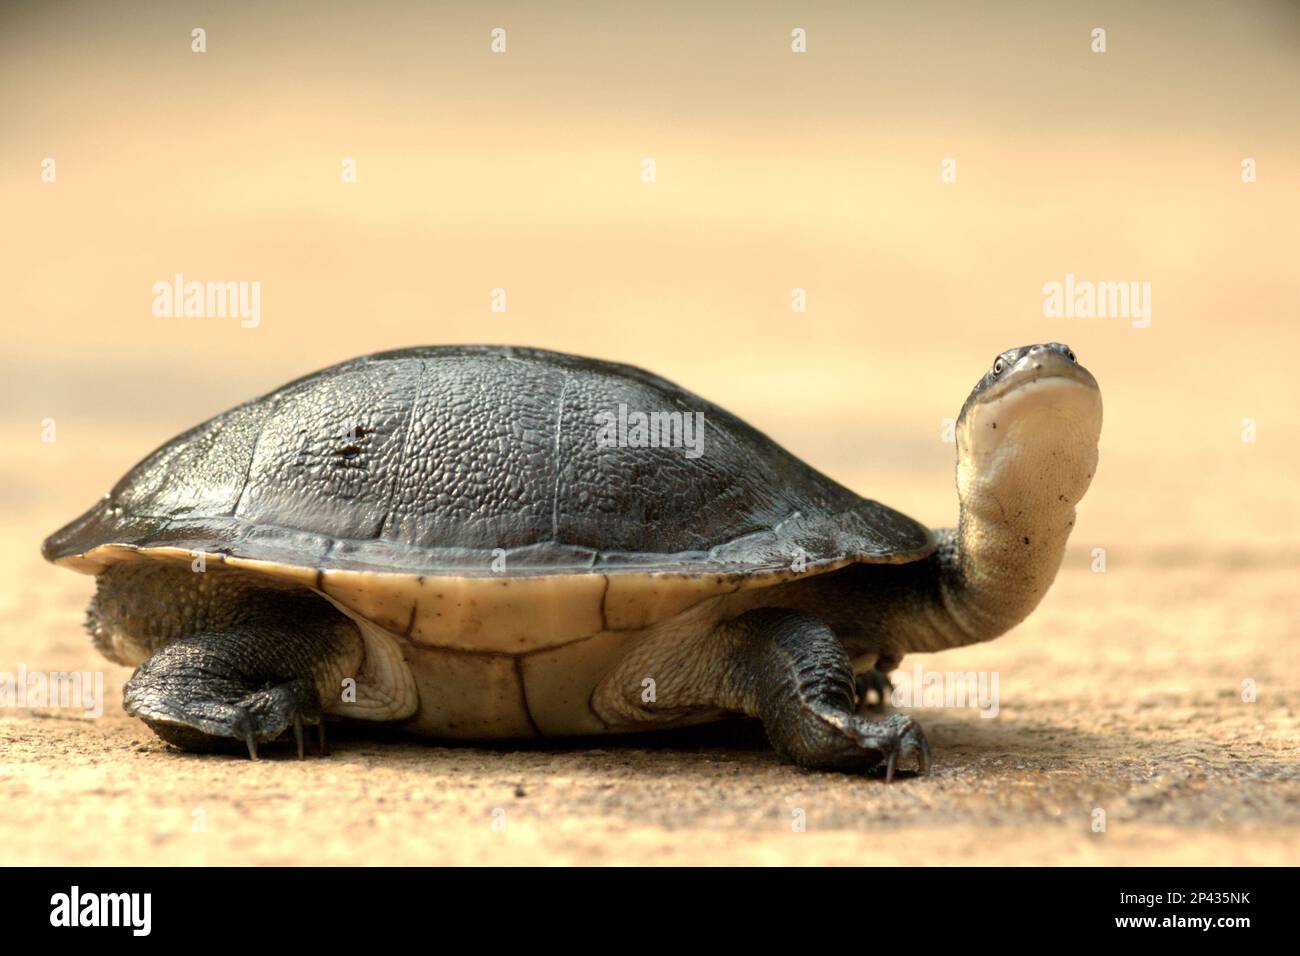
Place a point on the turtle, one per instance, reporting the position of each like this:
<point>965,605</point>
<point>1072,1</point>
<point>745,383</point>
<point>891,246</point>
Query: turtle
<point>494,543</point>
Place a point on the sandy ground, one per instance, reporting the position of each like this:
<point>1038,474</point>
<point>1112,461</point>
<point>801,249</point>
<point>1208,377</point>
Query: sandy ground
<point>1138,715</point>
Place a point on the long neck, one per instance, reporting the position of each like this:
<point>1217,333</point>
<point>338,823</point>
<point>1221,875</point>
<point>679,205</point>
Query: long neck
<point>1018,500</point>
<point>985,576</point>
<point>1018,494</point>
<point>999,563</point>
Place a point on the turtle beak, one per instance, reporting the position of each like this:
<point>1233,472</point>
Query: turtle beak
<point>1038,363</point>
<point>1038,425</point>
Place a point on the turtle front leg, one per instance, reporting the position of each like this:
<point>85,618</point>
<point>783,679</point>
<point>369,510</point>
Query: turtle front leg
<point>251,680</point>
<point>873,687</point>
<point>791,671</point>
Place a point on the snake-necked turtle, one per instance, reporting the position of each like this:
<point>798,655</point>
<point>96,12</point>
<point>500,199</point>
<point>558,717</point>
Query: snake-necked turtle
<point>492,542</point>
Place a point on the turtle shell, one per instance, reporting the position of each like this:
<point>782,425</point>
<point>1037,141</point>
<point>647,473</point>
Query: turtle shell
<point>489,498</point>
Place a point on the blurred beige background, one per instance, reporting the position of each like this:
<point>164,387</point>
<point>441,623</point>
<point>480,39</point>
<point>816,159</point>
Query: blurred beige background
<point>775,170</point>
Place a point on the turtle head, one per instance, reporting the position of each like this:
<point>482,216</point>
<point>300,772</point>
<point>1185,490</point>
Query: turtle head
<point>1026,453</point>
<point>1029,430</point>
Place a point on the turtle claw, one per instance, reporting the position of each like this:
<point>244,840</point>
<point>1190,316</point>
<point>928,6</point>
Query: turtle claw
<point>297,736</point>
<point>892,738</point>
<point>251,741</point>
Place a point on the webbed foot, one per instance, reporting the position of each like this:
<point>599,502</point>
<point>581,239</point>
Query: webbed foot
<point>195,701</point>
<point>791,671</point>
<point>896,739</point>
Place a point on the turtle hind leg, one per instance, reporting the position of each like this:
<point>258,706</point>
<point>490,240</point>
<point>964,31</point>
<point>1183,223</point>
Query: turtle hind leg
<point>256,677</point>
<point>791,671</point>
<point>189,694</point>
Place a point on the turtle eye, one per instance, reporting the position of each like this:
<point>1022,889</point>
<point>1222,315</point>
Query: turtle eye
<point>998,366</point>
<point>1070,353</point>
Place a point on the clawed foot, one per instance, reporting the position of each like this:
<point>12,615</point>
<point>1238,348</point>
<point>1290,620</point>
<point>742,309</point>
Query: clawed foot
<point>895,738</point>
<point>268,713</point>
<point>217,714</point>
